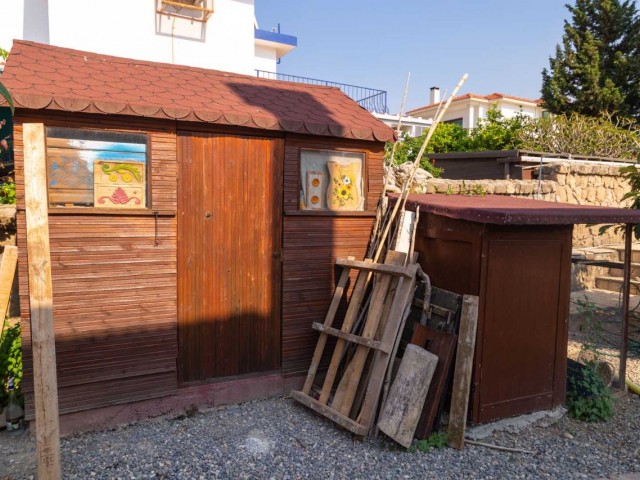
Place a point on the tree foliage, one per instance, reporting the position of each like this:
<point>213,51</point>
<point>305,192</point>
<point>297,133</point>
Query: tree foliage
<point>596,69</point>
<point>494,132</point>
<point>577,134</point>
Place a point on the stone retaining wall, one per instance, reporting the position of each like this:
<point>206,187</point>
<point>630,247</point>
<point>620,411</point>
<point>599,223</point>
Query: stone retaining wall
<point>578,183</point>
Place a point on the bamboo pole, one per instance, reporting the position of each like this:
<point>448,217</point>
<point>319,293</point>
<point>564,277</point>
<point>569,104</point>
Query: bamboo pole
<point>398,131</point>
<point>406,187</point>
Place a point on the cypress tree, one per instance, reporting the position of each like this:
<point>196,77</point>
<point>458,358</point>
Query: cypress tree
<point>596,69</point>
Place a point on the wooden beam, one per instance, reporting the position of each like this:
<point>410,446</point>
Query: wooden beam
<point>368,266</point>
<point>7,272</point>
<point>330,413</point>
<point>463,369</point>
<point>41,304</point>
<point>350,337</point>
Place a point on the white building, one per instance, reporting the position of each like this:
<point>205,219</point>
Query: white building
<point>465,110</point>
<point>412,126</point>
<point>215,34</point>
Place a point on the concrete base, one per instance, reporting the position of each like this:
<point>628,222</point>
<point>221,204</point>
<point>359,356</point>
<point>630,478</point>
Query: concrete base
<point>200,397</point>
<point>513,424</point>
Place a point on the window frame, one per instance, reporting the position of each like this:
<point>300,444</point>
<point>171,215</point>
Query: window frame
<point>79,209</point>
<point>326,211</point>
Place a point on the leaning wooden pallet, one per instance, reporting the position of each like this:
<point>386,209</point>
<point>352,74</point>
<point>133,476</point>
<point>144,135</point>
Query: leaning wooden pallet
<point>340,409</point>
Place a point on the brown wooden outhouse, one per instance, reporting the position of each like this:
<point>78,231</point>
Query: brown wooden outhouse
<point>194,218</point>
<point>515,254</point>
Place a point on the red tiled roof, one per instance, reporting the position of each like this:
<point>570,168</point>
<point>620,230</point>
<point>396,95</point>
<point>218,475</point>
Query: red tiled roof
<point>491,96</point>
<point>47,77</point>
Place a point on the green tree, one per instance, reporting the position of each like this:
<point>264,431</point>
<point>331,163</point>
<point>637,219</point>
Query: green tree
<point>496,132</point>
<point>596,69</point>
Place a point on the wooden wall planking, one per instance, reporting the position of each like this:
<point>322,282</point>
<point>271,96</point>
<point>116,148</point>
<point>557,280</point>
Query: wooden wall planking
<point>114,290</point>
<point>313,242</point>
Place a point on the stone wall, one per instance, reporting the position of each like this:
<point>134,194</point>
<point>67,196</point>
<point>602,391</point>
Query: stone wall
<point>581,183</point>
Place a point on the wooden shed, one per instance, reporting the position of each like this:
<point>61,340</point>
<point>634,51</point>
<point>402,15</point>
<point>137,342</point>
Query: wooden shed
<point>515,254</point>
<point>194,218</point>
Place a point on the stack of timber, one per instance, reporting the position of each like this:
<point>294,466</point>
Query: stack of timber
<point>351,390</point>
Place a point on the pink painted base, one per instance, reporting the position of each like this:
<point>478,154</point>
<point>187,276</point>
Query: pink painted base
<point>200,396</point>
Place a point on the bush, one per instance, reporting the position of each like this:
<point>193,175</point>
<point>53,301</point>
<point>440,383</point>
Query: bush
<point>10,360</point>
<point>588,398</point>
<point>581,135</point>
<point>7,193</point>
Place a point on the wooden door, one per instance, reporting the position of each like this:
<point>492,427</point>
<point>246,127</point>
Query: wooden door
<point>229,255</point>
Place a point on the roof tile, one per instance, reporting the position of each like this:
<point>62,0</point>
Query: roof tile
<point>47,77</point>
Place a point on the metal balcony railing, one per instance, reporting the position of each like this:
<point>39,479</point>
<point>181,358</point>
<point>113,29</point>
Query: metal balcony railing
<point>371,99</point>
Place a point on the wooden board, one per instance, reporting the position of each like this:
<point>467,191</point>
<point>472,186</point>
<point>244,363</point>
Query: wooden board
<point>401,412</point>
<point>41,304</point>
<point>463,370</point>
<point>443,345</point>
<point>7,273</point>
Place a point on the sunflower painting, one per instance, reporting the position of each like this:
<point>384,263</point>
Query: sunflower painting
<point>344,185</point>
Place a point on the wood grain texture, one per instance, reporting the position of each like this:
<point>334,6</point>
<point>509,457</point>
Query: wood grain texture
<point>443,345</point>
<point>312,241</point>
<point>462,372</point>
<point>7,273</point>
<point>229,255</point>
<point>41,304</point>
<point>401,412</point>
<point>114,290</point>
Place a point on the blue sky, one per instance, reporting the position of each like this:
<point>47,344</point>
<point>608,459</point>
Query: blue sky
<point>502,44</point>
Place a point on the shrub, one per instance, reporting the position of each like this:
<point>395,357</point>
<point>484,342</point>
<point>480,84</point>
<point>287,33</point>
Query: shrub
<point>588,398</point>
<point>7,193</point>
<point>10,360</point>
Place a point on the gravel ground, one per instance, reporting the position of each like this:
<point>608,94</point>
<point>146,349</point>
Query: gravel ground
<point>277,438</point>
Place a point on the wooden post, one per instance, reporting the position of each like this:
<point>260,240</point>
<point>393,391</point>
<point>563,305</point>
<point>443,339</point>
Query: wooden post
<point>7,272</point>
<point>626,286</point>
<point>41,303</point>
<point>463,369</point>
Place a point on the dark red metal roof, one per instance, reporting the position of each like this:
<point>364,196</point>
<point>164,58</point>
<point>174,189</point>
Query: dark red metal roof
<point>503,210</point>
<point>47,77</point>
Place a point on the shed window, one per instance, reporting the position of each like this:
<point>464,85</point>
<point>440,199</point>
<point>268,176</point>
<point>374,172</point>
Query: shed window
<point>99,169</point>
<point>331,180</point>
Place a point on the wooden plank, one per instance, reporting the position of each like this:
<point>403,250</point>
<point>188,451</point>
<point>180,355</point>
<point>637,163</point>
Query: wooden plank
<point>7,274</point>
<point>402,242</point>
<point>463,370</point>
<point>443,345</point>
<point>357,339</point>
<point>328,321</point>
<point>403,296</point>
<point>401,412</point>
<point>349,320</point>
<point>330,413</point>
<point>347,388</point>
<point>365,266</point>
<point>41,301</point>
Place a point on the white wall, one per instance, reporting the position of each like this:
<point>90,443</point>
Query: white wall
<point>133,29</point>
<point>265,59</point>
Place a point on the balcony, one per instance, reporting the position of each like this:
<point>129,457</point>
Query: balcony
<point>371,99</point>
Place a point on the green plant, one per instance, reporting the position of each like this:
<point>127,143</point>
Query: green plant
<point>590,326</point>
<point>7,193</point>
<point>595,69</point>
<point>588,398</point>
<point>435,440</point>
<point>632,175</point>
<point>3,90</point>
<point>10,359</point>
<point>497,132</point>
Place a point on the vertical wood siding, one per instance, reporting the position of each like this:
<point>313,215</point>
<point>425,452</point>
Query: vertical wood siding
<point>311,245</point>
<point>230,214</point>
<point>114,290</point>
